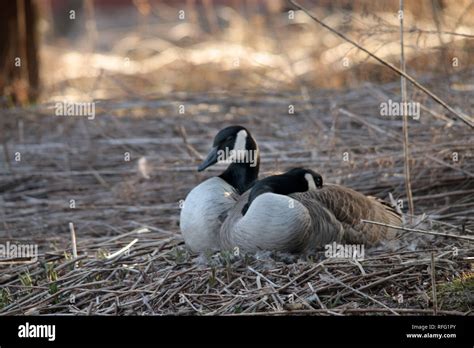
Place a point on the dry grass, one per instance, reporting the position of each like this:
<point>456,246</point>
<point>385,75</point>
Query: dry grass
<point>66,158</point>
<point>247,71</point>
<point>255,47</point>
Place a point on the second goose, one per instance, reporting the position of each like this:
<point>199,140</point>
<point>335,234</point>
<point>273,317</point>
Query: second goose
<point>295,212</point>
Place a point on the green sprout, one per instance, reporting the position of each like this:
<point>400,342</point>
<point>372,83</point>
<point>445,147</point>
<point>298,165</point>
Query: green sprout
<point>26,280</point>
<point>5,297</point>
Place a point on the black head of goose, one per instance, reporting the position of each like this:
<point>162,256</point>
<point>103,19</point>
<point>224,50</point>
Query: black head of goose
<point>295,180</point>
<point>236,146</point>
<point>206,206</point>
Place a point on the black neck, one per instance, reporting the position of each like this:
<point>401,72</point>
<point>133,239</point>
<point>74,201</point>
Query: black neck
<point>285,184</point>
<point>241,175</point>
<point>280,184</point>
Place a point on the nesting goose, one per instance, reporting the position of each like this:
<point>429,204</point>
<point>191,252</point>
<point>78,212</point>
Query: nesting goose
<point>266,218</point>
<point>212,216</point>
<point>277,215</point>
<point>206,206</point>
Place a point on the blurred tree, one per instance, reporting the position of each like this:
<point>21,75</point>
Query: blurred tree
<point>19,78</point>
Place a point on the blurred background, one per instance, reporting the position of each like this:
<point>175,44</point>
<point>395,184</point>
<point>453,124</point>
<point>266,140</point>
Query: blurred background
<point>110,48</point>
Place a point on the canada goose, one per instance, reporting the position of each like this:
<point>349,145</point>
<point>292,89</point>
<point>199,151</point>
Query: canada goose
<point>211,217</point>
<point>205,207</point>
<point>265,218</point>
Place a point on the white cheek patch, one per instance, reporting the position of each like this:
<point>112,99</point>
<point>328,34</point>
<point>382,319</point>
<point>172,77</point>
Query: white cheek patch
<point>311,184</point>
<point>240,141</point>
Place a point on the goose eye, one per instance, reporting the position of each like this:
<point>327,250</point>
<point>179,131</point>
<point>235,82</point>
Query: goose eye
<point>227,141</point>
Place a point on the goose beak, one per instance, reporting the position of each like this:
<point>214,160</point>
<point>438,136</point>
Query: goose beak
<point>210,159</point>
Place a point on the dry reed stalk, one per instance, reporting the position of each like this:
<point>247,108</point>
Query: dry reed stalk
<point>73,240</point>
<point>406,145</point>
<point>433,284</point>
<point>419,231</point>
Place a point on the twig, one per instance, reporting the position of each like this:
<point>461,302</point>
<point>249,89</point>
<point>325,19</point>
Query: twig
<point>406,145</point>
<point>433,284</point>
<point>73,240</point>
<point>368,124</point>
<point>450,166</point>
<point>193,153</point>
<point>349,310</point>
<point>360,292</point>
<point>311,270</point>
<point>262,276</point>
<point>123,250</point>
<point>419,231</point>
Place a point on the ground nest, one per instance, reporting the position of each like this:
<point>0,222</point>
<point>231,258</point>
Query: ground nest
<point>118,180</point>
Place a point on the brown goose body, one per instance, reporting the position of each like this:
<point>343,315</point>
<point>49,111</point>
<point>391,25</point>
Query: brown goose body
<point>307,221</point>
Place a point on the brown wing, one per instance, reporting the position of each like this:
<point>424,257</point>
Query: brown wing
<point>349,207</point>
